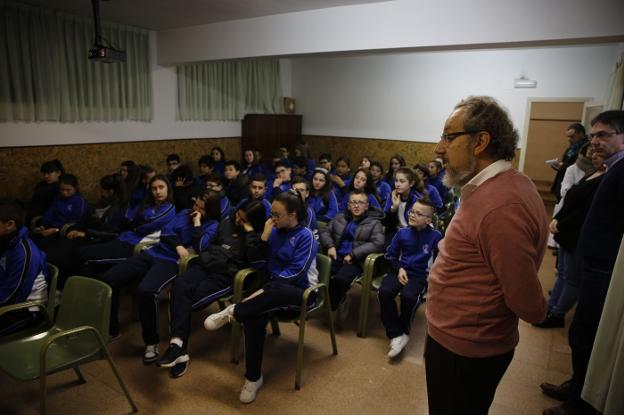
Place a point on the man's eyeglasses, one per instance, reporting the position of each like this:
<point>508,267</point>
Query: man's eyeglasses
<point>452,136</point>
<point>358,202</point>
<point>601,135</point>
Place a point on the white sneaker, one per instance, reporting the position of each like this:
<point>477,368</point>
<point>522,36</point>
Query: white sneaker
<point>220,319</point>
<point>397,344</point>
<point>248,393</point>
<point>151,354</point>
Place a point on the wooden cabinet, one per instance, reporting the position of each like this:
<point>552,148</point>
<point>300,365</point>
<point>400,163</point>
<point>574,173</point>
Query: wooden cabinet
<point>268,132</point>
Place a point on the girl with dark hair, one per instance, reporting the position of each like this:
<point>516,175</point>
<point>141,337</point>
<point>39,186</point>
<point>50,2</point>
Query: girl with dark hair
<point>47,189</point>
<point>209,277</point>
<point>397,161</point>
<point>303,150</point>
<point>142,224</point>
<point>132,189</point>
<point>322,199</point>
<point>302,186</point>
<point>365,162</point>
<point>158,266</point>
<point>287,253</point>
<point>362,181</point>
<point>383,188</point>
<point>436,176</point>
<point>67,207</point>
<point>408,188</point>
<point>422,171</point>
<point>342,178</point>
<point>218,157</point>
<point>251,165</point>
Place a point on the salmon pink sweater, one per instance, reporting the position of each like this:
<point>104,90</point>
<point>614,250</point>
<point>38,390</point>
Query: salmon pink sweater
<point>485,275</point>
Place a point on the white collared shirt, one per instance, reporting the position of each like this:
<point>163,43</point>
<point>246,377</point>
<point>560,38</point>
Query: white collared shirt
<point>490,171</point>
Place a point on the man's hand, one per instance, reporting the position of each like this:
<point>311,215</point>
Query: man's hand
<point>348,259</point>
<point>49,231</point>
<point>553,227</point>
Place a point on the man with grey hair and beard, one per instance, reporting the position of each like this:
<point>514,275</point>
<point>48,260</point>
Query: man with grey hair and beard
<point>485,276</point>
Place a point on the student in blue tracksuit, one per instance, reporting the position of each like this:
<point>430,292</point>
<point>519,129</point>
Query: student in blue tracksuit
<point>396,162</point>
<point>47,189</point>
<point>281,182</point>
<point>362,181</point>
<point>291,249</point>
<point>410,254</point>
<point>158,266</point>
<point>408,188</point>
<point>216,183</point>
<point>257,191</point>
<point>250,165</point>
<point>342,177</point>
<point>218,158</point>
<point>434,195</point>
<point>67,207</point>
<point>205,166</point>
<point>302,186</point>
<point>22,268</point>
<point>436,176</point>
<point>322,199</point>
<point>210,277</point>
<point>383,189</point>
<point>144,224</point>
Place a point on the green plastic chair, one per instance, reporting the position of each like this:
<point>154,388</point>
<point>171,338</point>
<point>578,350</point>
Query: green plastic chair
<point>74,339</point>
<point>321,305</point>
<point>52,286</point>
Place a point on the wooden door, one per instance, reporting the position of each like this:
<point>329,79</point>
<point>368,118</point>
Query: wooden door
<point>546,140</point>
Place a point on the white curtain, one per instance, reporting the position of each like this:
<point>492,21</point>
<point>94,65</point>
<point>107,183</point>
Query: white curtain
<point>615,99</point>
<point>604,382</point>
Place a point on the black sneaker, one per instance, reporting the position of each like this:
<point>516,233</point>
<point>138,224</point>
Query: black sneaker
<point>174,355</point>
<point>179,369</point>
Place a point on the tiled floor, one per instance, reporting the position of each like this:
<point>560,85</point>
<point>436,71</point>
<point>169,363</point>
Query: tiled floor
<point>360,380</point>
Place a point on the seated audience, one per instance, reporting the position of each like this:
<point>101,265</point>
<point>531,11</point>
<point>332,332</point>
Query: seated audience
<point>342,177</point>
<point>67,207</point>
<point>47,189</point>
<point>236,184</point>
<point>185,187</point>
<point>158,266</point>
<point>383,188</point>
<point>218,159</point>
<point>288,249</point>
<point>281,182</point>
<point>206,168</point>
<point>362,180</point>
<point>396,162</point>
<point>210,277</point>
<point>302,186</point>
<point>423,173</point>
<point>215,183</point>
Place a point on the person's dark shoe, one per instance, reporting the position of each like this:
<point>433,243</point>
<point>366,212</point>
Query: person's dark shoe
<point>566,408</point>
<point>174,355</point>
<point>552,321</point>
<point>179,369</point>
<point>558,392</point>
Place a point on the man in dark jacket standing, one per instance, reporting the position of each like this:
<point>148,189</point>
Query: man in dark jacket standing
<point>348,239</point>
<point>577,139</point>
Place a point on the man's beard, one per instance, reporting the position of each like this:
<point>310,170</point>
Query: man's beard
<point>458,178</point>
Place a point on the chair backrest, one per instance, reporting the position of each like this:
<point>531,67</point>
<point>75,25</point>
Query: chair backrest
<point>85,302</point>
<point>323,265</point>
<point>52,272</point>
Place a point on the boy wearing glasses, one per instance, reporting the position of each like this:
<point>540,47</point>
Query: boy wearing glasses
<point>281,183</point>
<point>349,238</point>
<point>410,254</point>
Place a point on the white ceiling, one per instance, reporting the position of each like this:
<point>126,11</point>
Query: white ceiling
<point>170,14</point>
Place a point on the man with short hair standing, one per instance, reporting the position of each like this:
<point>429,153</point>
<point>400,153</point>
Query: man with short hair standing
<point>485,276</point>
<point>577,138</point>
<point>598,244</point>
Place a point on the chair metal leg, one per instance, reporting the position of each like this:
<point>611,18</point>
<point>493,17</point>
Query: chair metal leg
<point>42,392</point>
<point>235,342</point>
<point>81,378</point>
<point>119,379</point>
<point>364,302</point>
<point>330,315</point>
<point>302,325</point>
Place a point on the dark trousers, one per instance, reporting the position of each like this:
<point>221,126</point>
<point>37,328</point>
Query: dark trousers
<point>154,275</point>
<point>193,290</point>
<point>594,286</point>
<point>110,252</point>
<point>63,254</point>
<point>343,276</point>
<point>411,296</point>
<point>255,313</point>
<point>459,385</point>
<point>18,320</point>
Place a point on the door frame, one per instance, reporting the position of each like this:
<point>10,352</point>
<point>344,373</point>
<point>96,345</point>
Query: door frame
<point>527,120</point>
